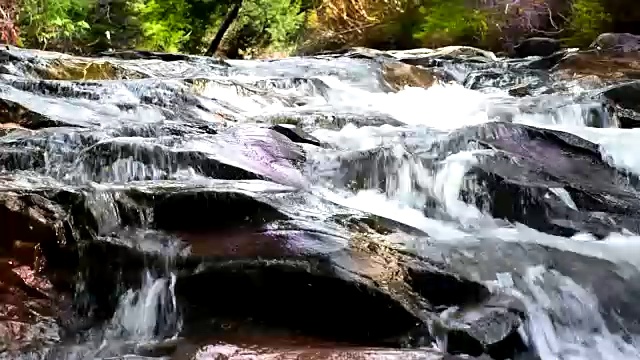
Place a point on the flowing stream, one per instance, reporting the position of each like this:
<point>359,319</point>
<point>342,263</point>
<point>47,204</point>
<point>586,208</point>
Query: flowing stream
<point>368,148</point>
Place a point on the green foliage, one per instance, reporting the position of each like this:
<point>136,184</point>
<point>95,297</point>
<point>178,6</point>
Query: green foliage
<point>119,19</point>
<point>445,22</point>
<point>164,23</point>
<point>45,21</point>
<point>160,25</point>
<point>277,25</point>
<point>588,19</point>
<point>267,23</point>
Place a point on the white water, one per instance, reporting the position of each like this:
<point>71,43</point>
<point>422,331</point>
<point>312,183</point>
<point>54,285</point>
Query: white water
<point>584,334</point>
<point>440,110</point>
<point>140,311</point>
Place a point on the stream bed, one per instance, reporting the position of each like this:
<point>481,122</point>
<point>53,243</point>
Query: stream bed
<point>424,204</point>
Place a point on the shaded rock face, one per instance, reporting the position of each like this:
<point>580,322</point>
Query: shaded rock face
<point>562,204</point>
<point>537,46</point>
<point>167,205</point>
<point>617,42</point>
<point>605,66</point>
<point>38,251</point>
<point>623,100</point>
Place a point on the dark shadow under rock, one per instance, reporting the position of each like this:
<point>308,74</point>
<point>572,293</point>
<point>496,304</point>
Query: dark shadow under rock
<point>144,55</point>
<point>16,113</point>
<point>294,134</point>
<point>537,46</point>
<point>308,295</point>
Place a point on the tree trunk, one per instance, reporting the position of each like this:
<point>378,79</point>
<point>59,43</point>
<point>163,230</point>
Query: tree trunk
<point>226,24</point>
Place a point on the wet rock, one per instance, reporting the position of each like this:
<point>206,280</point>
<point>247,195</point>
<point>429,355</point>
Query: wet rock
<point>398,75</point>
<point>272,267</point>
<point>294,134</point>
<point>144,55</point>
<point>355,52</point>
<point>31,221</point>
<point>617,42</point>
<point>624,100</point>
<point>537,46</point>
<point>37,243</point>
<point>312,119</point>
<point>7,128</point>
<point>29,308</point>
<point>14,158</point>
<point>88,69</point>
<point>16,113</point>
<point>461,52</point>
<point>233,352</point>
<point>344,286</point>
<point>518,81</point>
<point>559,177</point>
<point>246,202</point>
<point>492,331</point>
<point>240,153</point>
<point>546,62</point>
<point>606,67</point>
<point>558,271</point>
<point>281,293</point>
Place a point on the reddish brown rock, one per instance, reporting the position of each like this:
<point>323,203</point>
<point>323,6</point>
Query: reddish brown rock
<point>605,66</point>
<point>29,307</point>
<point>398,75</point>
<point>232,352</point>
<point>32,228</point>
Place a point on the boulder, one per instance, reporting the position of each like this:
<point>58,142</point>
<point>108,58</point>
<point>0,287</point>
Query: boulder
<point>239,153</point>
<point>38,241</point>
<point>560,177</point>
<point>606,67</point>
<point>537,46</point>
<point>398,75</point>
<point>533,265</point>
<point>317,278</point>
<point>617,42</point>
<point>29,308</point>
<point>624,103</point>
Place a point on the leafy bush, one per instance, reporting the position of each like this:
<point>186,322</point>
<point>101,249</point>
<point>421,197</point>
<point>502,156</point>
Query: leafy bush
<point>44,21</point>
<point>588,19</point>
<point>264,24</point>
<point>279,25</point>
<point>447,22</point>
<point>164,23</point>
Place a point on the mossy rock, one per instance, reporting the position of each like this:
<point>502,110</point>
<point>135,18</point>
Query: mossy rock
<point>73,69</point>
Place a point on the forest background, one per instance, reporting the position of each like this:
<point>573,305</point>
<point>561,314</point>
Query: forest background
<point>273,28</point>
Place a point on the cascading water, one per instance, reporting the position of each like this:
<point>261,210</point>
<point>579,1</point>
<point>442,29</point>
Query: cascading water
<point>145,313</point>
<point>143,152</point>
<point>565,320</point>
